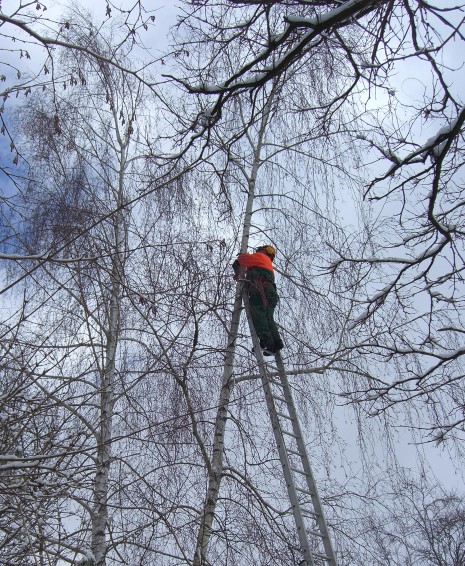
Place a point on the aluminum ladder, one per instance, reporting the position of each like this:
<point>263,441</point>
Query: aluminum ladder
<point>308,514</point>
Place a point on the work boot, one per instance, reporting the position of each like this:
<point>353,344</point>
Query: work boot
<point>265,352</point>
<point>277,345</point>
<point>266,344</point>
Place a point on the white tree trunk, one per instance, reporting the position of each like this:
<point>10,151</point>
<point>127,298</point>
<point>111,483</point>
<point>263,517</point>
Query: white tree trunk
<point>227,384</point>
<point>107,396</point>
<point>107,393</point>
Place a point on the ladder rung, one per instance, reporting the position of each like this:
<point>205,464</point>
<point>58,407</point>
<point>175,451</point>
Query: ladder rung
<point>303,491</point>
<point>295,452</point>
<point>321,556</point>
<point>315,533</point>
<point>297,471</point>
<point>289,433</point>
<point>309,514</point>
<point>278,398</point>
<point>284,416</point>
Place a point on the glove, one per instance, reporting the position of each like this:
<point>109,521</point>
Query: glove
<point>239,271</point>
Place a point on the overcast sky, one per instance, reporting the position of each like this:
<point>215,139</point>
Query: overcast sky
<point>410,82</point>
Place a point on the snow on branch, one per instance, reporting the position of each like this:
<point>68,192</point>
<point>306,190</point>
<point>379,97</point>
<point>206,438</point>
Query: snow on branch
<point>318,26</point>
<point>426,254</point>
<point>435,147</point>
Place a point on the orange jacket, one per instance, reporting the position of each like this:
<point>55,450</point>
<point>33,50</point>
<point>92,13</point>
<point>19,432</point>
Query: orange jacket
<point>256,259</point>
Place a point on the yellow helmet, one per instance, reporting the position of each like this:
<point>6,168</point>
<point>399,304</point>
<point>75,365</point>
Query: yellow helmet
<point>270,250</point>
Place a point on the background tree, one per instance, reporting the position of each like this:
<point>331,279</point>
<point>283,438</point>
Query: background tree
<point>416,522</point>
<point>90,162</point>
<point>33,31</point>
<point>119,311</point>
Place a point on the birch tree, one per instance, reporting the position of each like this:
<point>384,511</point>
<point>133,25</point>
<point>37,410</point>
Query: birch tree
<point>85,171</point>
<point>126,343</point>
<point>353,50</point>
<point>280,208</point>
<point>215,466</point>
<point>33,34</point>
<point>408,315</point>
<point>117,311</point>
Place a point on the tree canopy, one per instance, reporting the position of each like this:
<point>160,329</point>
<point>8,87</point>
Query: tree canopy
<point>133,428</point>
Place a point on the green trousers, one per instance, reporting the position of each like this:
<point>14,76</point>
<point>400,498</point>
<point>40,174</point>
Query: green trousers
<point>263,299</point>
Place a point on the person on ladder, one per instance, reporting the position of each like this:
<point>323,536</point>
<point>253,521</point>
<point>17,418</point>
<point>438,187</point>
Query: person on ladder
<point>263,297</point>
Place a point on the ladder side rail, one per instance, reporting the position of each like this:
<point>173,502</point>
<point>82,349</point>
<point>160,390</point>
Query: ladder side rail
<point>329,551</point>
<point>280,443</point>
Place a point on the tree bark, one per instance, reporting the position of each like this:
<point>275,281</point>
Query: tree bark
<point>227,383</point>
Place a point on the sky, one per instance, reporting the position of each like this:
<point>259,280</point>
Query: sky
<point>409,82</point>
